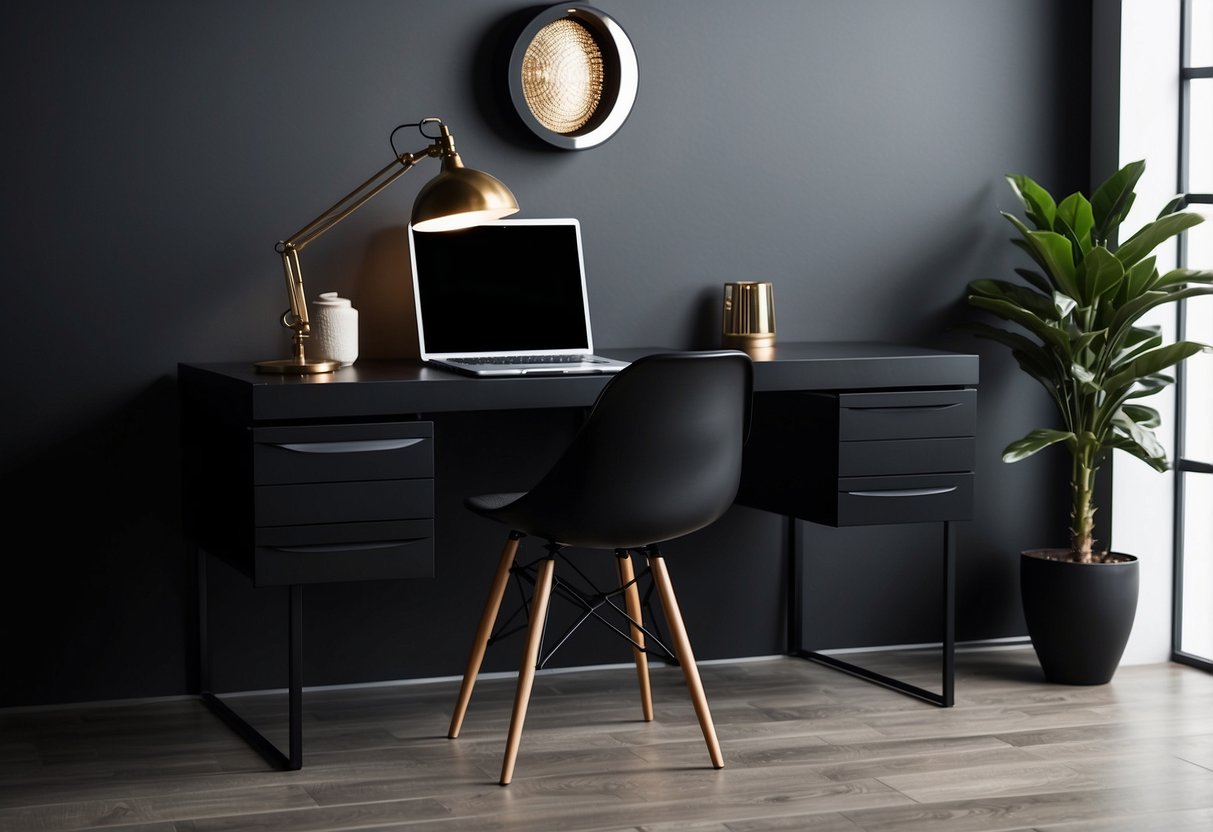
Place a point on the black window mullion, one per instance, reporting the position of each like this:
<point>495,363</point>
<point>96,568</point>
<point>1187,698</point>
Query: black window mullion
<point>1183,465</point>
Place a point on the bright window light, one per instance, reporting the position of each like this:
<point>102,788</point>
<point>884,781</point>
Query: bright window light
<point>1200,24</point>
<point>1196,636</point>
<point>1200,136</point>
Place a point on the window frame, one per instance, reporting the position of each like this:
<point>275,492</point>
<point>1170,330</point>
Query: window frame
<point>1184,466</point>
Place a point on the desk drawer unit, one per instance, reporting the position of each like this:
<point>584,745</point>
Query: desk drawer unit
<point>343,502</point>
<point>304,504</point>
<point>904,456</point>
<point>844,459</point>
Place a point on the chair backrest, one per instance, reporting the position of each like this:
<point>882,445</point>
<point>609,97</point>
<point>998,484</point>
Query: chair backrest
<point>658,457</point>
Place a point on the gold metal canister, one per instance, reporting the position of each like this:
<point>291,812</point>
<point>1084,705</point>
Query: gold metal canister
<point>748,320</point>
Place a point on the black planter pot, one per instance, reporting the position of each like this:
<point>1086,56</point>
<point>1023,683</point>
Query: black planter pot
<point>1079,615</point>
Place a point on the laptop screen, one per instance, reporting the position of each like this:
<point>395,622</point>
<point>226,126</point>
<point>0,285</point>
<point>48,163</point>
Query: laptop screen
<point>510,286</point>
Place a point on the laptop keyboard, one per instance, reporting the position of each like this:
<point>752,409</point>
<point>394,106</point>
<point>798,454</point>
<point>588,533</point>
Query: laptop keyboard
<point>532,359</point>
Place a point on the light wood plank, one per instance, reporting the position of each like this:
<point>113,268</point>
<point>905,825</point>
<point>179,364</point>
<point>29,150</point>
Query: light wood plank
<point>808,748</point>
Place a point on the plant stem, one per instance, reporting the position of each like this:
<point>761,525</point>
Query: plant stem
<point>1082,518</point>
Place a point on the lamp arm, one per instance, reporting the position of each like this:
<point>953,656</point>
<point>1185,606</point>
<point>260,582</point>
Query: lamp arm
<point>297,317</point>
<point>356,198</point>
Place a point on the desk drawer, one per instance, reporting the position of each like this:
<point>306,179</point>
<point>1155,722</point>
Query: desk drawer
<point>333,453</point>
<point>344,552</point>
<point>906,499</point>
<point>343,502</point>
<point>879,457</point>
<point>907,414</point>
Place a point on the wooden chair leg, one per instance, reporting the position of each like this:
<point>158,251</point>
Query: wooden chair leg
<point>483,632</point>
<point>627,578</point>
<point>686,658</point>
<point>526,672</point>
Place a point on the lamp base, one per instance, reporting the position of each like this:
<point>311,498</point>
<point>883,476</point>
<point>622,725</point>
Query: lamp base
<point>295,366</point>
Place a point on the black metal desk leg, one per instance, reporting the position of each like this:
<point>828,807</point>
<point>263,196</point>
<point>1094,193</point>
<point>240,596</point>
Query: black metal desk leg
<point>204,648</point>
<point>948,683</point>
<point>233,720</point>
<point>946,697</point>
<point>295,670</point>
<point>795,618</point>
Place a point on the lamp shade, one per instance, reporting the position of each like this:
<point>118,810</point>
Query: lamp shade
<point>459,197</point>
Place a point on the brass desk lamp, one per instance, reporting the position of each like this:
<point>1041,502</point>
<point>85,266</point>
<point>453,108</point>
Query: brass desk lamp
<point>457,197</point>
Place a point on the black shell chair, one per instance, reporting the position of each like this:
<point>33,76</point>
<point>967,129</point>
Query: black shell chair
<point>658,457</point>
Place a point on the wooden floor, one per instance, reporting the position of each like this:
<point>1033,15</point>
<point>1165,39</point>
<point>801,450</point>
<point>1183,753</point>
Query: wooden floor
<point>806,748</point>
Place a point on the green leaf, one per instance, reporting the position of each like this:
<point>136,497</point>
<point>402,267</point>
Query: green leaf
<point>1044,330</point>
<point>1084,378</point>
<point>1177,202</point>
<point>1031,357</point>
<point>1087,346</point>
<point>1182,277</point>
<point>1051,251</point>
<point>1082,373</point>
<point>1099,274</point>
<point>1152,235</point>
<point>1034,442</point>
<point>1042,306</point>
<point>1150,385</point>
<point>1142,436</point>
<point>1037,202</point>
<point>1057,258</point>
<point>1043,371</point>
<point>1147,417</point>
<point>1063,304</point>
<point>1074,213</point>
<point>1138,340</point>
<point>1111,201</point>
<point>1036,279</point>
<point>1135,308</point>
<point>1124,443</point>
<point>1150,363</point>
<point>1138,279</point>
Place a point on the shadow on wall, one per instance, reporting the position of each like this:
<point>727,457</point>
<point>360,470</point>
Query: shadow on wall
<point>934,278</point>
<point>383,295</point>
<point>488,80</point>
<point>708,305</point>
<point>104,576</point>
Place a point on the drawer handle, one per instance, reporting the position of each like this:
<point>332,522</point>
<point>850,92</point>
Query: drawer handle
<point>345,547</point>
<point>912,408</point>
<point>903,492</point>
<point>361,446</point>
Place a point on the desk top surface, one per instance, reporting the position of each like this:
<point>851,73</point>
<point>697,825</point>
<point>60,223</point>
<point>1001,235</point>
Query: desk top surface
<point>383,387</point>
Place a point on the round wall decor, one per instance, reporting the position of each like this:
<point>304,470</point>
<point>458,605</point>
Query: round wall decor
<point>573,76</point>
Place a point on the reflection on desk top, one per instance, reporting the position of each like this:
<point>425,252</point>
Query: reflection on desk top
<point>383,387</point>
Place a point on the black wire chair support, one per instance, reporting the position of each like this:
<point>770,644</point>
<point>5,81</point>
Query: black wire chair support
<point>591,600</point>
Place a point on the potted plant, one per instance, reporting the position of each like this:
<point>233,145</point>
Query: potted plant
<point>1079,310</point>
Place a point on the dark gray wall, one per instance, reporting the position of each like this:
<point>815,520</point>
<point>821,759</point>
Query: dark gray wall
<point>850,152</point>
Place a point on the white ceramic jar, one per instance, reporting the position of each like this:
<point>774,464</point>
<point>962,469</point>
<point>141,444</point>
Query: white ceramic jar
<point>334,329</point>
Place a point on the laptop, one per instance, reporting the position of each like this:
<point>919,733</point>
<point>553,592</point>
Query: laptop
<point>506,298</point>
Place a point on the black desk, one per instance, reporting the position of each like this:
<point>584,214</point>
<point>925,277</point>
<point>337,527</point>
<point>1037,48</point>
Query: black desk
<point>323,478</point>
